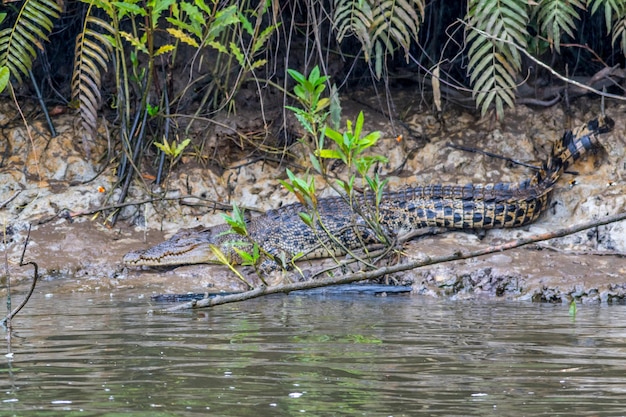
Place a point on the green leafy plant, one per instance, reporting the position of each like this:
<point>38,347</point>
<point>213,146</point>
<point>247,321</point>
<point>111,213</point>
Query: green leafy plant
<point>314,109</point>
<point>350,144</point>
<point>349,147</point>
<point>250,252</point>
<point>303,189</point>
<point>137,33</point>
<point>172,149</point>
<point>251,257</point>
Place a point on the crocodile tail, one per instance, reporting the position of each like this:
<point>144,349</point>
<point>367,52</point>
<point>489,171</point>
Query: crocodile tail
<point>572,146</point>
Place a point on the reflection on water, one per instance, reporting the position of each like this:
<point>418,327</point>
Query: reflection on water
<point>318,355</point>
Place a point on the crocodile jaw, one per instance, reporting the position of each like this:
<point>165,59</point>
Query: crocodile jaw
<point>189,246</point>
<point>200,253</point>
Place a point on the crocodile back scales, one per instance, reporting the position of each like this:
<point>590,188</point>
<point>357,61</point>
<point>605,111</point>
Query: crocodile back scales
<point>340,227</point>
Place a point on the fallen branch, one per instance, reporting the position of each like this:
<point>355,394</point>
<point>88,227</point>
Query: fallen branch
<point>17,309</point>
<point>377,273</point>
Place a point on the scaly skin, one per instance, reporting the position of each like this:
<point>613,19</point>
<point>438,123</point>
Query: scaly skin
<point>415,210</point>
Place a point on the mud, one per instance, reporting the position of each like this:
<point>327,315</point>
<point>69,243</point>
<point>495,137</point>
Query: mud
<point>81,255</point>
<point>85,258</point>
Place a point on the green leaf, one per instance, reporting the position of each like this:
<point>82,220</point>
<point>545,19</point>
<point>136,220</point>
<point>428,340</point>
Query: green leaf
<point>247,258</point>
<point>236,52</point>
<point>181,147</point>
<point>492,63</point>
<point>221,258</point>
<point>322,103</point>
<point>123,8</point>
<point>202,5</point>
<point>263,37</point>
<point>306,218</point>
<point>333,134</point>
<point>369,140</point>
<point>158,6</point>
<point>4,76</point>
<point>315,163</point>
<point>164,49</point>
<point>246,25</point>
<point>299,78</point>
<point>152,111</point>
<point>221,48</point>
<point>237,221</point>
<point>329,154</point>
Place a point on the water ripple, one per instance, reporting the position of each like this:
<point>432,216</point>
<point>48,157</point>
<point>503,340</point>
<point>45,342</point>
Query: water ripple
<point>321,355</point>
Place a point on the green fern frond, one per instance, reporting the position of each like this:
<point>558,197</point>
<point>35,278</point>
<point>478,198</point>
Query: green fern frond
<point>558,16</point>
<point>379,25</point>
<point>613,10</point>
<point>353,17</point>
<point>493,63</point>
<point>91,58</point>
<point>18,42</point>
<point>615,19</point>
<point>619,34</point>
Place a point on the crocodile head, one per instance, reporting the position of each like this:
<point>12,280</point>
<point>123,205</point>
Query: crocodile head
<point>189,246</point>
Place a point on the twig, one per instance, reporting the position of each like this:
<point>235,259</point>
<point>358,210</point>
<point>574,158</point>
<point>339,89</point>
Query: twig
<point>539,103</point>
<point>365,275</point>
<point>32,286</point>
<point>8,200</point>
<point>548,68</point>
<point>215,205</point>
<point>493,155</point>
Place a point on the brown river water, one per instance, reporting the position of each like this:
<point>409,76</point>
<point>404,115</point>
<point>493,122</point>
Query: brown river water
<point>101,354</point>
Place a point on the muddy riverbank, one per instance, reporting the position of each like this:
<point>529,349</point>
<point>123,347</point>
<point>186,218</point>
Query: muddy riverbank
<point>48,184</point>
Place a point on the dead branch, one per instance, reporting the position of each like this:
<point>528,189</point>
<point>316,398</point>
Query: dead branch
<point>377,273</point>
<point>17,309</point>
<point>7,201</point>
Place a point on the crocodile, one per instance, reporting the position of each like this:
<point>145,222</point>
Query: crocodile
<point>341,227</point>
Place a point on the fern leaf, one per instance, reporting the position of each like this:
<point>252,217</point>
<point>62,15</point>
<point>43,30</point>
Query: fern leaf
<point>558,16</point>
<point>352,17</point>
<point>395,20</point>
<point>91,59</point>
<point>379,25</point>
<point>619,34</point>
<point>615,19</point>
<point>493,62</point>
<point>18,42</point>
<point>613,10</point>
